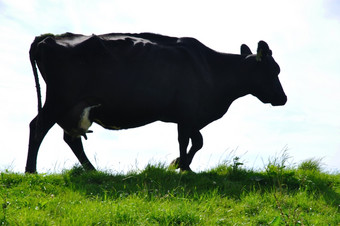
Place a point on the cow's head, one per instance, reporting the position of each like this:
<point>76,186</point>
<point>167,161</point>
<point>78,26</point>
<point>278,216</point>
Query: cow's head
<point>262,75</point>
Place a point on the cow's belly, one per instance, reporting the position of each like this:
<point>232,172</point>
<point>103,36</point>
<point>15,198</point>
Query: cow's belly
<point>119,117</point>
<point>77,121</point>
<point>119,124</point>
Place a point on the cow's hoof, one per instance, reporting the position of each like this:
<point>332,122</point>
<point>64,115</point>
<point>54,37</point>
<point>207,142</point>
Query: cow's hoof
<point>88,167</point>
<point>175,163</point>
<point>30,170</point>
<point>186,170</point>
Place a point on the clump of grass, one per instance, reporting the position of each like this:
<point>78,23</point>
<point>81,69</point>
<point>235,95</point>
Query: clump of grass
<point>311,165</point>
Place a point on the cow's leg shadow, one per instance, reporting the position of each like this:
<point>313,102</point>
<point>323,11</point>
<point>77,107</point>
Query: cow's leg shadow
<point>77,147</point>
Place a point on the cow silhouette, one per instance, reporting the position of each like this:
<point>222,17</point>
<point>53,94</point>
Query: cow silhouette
<point>123,81</point>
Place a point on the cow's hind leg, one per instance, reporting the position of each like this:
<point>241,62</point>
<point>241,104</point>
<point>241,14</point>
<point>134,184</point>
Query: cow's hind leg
<point>77,147</point>
<point>39,127</point>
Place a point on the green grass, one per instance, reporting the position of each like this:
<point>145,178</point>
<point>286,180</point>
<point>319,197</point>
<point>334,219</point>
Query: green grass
<point>225,195</point>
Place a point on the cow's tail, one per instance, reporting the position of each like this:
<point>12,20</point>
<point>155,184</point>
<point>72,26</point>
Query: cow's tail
<point>34,68</point>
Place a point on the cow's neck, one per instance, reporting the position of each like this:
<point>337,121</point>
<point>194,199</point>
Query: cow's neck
<point>227,84</point>
<point>229,81</point>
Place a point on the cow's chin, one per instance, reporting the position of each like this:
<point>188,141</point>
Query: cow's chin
<point>276,104</point>
<point>265,101</point>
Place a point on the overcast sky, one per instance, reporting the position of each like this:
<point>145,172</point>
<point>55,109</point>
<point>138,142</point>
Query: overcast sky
<point>303,35</point>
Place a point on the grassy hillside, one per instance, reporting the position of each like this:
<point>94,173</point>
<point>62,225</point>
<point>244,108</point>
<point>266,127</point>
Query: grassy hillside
<point>226,195</point>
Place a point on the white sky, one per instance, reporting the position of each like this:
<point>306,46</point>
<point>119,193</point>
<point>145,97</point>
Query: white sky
<point>304,37</point>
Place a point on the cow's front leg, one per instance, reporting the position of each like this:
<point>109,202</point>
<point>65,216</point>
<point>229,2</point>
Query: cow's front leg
<point>197,144</point>
<point>77,147</point>
<point>183,140</point>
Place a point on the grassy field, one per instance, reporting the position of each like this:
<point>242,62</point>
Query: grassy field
<point>228,194</point>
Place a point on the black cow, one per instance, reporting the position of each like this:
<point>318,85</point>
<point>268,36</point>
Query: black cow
<point>123,81</point>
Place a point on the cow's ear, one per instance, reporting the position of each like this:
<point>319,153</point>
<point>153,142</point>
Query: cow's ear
<point>262,50</point>
<point>245,50</point>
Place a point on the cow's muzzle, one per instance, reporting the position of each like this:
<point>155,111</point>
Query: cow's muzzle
<point>280,102</point>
